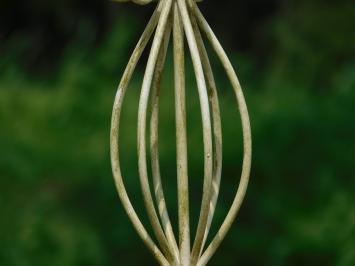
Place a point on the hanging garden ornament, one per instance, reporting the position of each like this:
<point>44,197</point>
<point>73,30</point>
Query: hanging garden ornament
<point>180,18</point>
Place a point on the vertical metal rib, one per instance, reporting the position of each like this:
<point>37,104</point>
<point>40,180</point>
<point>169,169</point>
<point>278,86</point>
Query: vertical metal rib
<point>246,138</point>
<point>142,113</point>
<point>207,131</point>
<point>154,135</point>
<point>114,138</point>
<point>217,128</point>
<point>181,141</point>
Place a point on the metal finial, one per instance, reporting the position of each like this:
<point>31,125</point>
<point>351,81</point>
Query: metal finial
<point>181,18</point>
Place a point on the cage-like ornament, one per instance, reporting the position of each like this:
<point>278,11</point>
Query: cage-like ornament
<point>180,18</point>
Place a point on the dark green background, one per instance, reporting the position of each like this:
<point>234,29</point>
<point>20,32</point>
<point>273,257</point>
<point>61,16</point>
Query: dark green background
<point>60,63</point>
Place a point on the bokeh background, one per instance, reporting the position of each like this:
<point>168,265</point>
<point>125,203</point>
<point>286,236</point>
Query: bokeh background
<point>60,63</point>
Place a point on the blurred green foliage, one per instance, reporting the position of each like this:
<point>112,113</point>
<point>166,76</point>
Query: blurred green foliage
<point>58,204</point>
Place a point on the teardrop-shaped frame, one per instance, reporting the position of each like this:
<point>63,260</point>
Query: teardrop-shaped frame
<point>179,16</point>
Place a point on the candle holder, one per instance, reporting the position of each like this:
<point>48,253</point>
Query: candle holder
<point>180,18</point>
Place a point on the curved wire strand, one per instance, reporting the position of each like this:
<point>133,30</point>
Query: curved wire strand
<point>207,131</point>
<point>244,180</point>
<point>141,136</point>
<point>114,138</point>
<point>217,127</point>
<point>154,133</point>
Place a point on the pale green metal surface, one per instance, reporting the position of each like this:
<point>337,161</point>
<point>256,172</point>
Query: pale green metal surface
<point>180,18</point>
